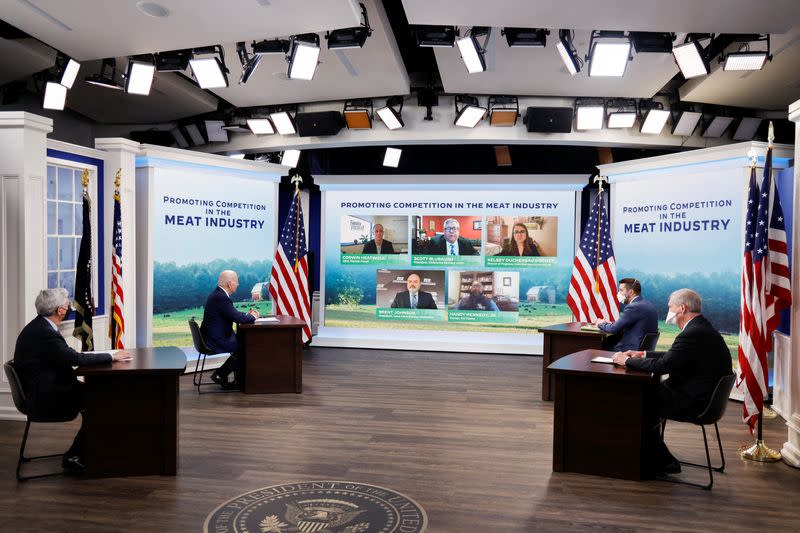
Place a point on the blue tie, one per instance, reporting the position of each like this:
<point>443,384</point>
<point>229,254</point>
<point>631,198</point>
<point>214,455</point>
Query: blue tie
<point>452,248</point>
<point>413,301</point>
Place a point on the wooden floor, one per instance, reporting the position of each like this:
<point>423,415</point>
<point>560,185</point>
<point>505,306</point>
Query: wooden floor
<point>466,436</point>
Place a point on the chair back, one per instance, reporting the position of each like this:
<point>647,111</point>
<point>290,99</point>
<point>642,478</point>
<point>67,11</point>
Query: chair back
<point>718,402</point>
<point>16,387</point>
<point>649,341</point>
<point>197,338</point>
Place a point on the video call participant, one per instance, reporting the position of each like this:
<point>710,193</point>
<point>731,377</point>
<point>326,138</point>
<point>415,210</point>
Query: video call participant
<point>476,300</point>
<point>520,243</point>
<point>413,298</point>
<point>378,245</point>
<point>695,362</point>
<point>638,318</point>
<point>44,362</point>
<point>450,243</point>
<point>219,316</point>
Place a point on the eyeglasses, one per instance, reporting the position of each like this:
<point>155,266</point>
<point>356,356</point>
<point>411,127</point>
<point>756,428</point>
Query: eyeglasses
<point>519,232</point>
<point>451,228</point>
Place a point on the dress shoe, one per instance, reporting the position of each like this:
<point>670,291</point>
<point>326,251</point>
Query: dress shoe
<point>72,464</point>
<point>221,381</point>
<point>672,467</point>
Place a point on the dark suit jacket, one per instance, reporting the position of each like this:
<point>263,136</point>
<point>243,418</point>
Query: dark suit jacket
<point>439,246</point>
<point>371,248</point>
<point>694,362</point>
<point>218,318</point>
<point>402,300</point>
<point>44,363</point>
<point>637,320</point>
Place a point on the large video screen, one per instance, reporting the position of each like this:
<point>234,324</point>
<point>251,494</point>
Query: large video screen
<point>474,261</point>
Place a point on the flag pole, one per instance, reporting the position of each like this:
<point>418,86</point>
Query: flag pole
<point>297,180</point>
<point>599,181</point>
<point>759,451</point>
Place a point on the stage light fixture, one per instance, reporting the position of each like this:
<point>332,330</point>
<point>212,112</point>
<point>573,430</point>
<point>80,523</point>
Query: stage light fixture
<point>210,72</point>
<point>567,52</point>
<point>392,157</point>
<point>55,96</point>
<point>179,137</point>
<point>590,113</point>
<point>249,63</point>
<point>525,37</point>
<point>236,156</point>
<point>435,36</point>
<point>303,56</point>
<point>215,131</point>
<point>621,113</point>
<point>747,128</point>
<point>274,46</point>
<point>684,119</point>
<point>260,126</point>
<point>290,158</point>
<point>105,78</point>
<point>358,114</point>
<point>350,37</point>
<point>236,125</point>
<point>284,122</point>
<point>503,110</point>
<point>652,42</point>
<point>66,70</point>
<point>691,60</point>
<point>609,55</point>
<point>139,76</point>
<point>653,117</point>
<point>471,51</point>
<point>195,135</point>
<point>470,113</point>
<point>390,114</point>
<point>746,59</point>
<point>717,126</point>
<point>173,61</point>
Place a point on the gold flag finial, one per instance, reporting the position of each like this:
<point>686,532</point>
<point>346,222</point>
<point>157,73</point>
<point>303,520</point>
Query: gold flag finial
<point>771,134</point>
<point>753,157</point>
<point>297,180</point>
<point>85,178</point>
<point>600,180</point>
<point>117,178</point>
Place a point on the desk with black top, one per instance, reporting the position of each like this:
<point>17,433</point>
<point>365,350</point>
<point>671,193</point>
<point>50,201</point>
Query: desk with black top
<point>598,424</point>
<point>131,414</point>
<point>273,355</point>
<point>563,339</point>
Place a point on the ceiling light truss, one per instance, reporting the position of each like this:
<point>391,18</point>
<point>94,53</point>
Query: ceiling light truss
<point>346,38</point>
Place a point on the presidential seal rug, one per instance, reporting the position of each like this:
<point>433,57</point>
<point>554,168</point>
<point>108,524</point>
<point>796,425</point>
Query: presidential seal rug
<point>319,507</point>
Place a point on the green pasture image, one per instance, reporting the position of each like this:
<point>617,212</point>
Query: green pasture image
<point>172,329</point>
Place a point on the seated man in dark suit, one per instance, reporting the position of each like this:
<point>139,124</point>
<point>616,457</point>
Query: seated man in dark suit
<point>219,316</point>
<point>639,317</point>
<point>450,243</point>
<point>44,362</point>
<point>378,245</point>
<point>413,298</point>
<point>694,362</point>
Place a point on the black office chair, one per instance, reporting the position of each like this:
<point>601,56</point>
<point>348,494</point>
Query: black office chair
<point>204,351</point>
<point>19,402</point>
<point>649,342</point>
<point>711,415</point>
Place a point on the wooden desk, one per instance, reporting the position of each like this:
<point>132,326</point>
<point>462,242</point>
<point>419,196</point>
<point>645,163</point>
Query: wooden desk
<point>273,356</point>
<point>598,417</point>
<point>131,411</point>
<point>563,339</point>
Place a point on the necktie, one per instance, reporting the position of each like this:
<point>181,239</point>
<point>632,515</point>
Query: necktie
<point>452,248</point>
<point>413,301</point>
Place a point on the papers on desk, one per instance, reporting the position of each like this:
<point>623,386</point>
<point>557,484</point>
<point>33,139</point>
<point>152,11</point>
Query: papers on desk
<point>266,319</point>
<point>589,327</point>
<point>112,352</point>
<point>601,359</point>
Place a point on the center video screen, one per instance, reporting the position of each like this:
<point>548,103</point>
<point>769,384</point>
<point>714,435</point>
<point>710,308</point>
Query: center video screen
<point>491,264</point>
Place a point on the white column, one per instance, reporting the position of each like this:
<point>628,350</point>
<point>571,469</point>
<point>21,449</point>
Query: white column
<point>791,448</point>
<point>23,230</point>
<point>121,155</point>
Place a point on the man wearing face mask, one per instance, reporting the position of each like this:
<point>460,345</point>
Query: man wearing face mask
<point>638,318</point>
<point>696,360</point>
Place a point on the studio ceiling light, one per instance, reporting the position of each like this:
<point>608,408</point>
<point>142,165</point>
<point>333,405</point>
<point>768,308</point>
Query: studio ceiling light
<point>55,96</point>
<point>290,158</point>
<point>303,56</point>
<point>66,70</point>
<point>590,113</point>
<point>503,110</point>
<point>210,72</point>
<point>691,57</point>
<point>105,78</point>
<point>609,52</point>
<point>530,37</point>
<point>747,128</point>
<point>567,52</point>
<point>358,114</point>
<point>274,46</point>
<point>621,113</point>
<point>139,76</point>
<point>471,50</point>
<point>215,131</point>
<point>249,63</point>
<point>470,113</point>
<point>390,114</point>
<point>350,37</point>
<point>195,135</point>
<point>435,36</point>
<point>717,126</point>
<point>652,42</point>
<point>745,59</point>
<point>684,119</point>
<point>260,126</point>
<point>284,122</point>
<point>173,61</point>
<point>392,157</point>
<point>180,138</point>
<point>653,117</point>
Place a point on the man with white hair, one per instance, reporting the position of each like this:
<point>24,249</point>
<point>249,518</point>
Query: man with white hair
<point>43,360</point>
<point>219,316</point>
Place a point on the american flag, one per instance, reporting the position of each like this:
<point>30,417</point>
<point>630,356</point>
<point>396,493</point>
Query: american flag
<point>766,288</point>
<point>116,325</point>
<point>288,284</point>
<point>83,301</point>
<point>593,287</point>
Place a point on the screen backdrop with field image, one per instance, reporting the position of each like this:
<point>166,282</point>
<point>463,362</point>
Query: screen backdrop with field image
<point>516,245</point>
<point>205,222</point>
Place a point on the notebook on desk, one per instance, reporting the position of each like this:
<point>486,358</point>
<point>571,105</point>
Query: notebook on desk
<point>601,359</point>
<point>266,319</point>
<point>590,327</point>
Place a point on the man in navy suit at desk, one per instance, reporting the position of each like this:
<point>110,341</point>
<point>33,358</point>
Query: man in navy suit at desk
<point>638,318</point>
<point>219,316</point>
